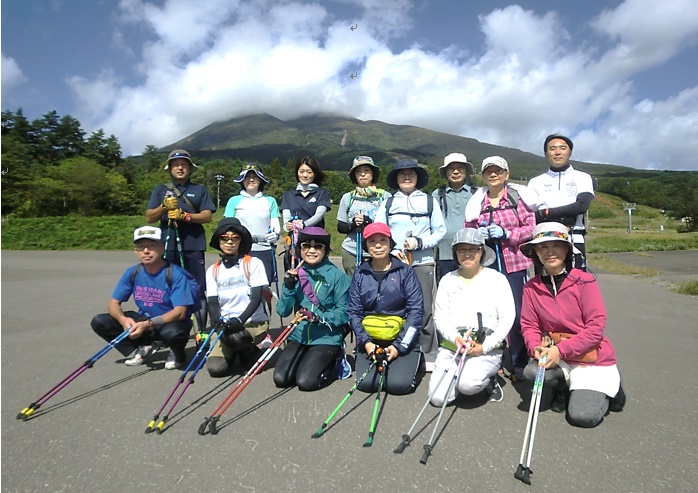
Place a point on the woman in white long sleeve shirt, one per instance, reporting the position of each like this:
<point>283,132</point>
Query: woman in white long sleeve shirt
<point>461,295</point>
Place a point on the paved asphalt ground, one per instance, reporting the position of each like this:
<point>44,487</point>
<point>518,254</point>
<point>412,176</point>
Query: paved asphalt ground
<point>89,438</point>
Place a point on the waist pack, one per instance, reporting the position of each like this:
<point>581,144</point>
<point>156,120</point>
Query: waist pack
<point>589,357</point>
<point>383,327</point>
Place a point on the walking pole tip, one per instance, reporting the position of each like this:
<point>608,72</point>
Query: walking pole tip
<point>405,442</point>
<point>427,453</point>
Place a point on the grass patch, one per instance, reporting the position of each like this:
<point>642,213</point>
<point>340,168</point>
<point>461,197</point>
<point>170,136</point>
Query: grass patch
<point>621,241</point>
<point>608,264</point>
<point>689,287</point>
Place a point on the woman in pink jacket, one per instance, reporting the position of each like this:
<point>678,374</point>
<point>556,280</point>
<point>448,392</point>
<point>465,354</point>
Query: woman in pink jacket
<point>565,304</point>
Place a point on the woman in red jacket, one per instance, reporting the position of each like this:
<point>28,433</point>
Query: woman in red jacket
<point>565,304</point>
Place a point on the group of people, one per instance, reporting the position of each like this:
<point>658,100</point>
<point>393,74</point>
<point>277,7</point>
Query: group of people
<point>426,279</point>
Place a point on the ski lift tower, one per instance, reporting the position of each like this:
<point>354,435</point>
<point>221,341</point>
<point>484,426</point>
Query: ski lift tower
<point>630,207</point>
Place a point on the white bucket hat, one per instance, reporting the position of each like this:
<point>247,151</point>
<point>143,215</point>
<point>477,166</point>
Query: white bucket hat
<point>456,157</point>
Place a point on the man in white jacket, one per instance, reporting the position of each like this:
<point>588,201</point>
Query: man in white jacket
<point>565,193</point>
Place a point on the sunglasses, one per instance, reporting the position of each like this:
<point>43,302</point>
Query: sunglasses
<point>180,154</point>
<point>468,250</point>
<point>317,246</point>
<point>249,167</point>
<point>229,238</point>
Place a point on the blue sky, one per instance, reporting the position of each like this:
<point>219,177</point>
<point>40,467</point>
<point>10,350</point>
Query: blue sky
<point>619,77</point>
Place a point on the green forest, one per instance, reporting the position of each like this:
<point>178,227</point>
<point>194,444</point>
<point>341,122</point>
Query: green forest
<point>51,167</point>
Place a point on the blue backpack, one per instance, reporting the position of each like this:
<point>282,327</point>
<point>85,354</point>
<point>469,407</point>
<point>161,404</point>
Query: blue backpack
<point>191,284</point>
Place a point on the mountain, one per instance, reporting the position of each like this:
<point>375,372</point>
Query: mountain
<point>336,140</point>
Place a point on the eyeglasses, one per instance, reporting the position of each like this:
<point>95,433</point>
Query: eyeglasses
<point>249,167</point>
<point>317,246</point>
<point>493,169</point>
<point>149,246</point>
<point>229,238</point>
<point>472,251</point>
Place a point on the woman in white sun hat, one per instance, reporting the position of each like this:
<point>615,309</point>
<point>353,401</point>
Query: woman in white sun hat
<point>565,304</point>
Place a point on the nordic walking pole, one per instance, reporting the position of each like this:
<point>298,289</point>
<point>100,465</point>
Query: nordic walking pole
<point>406,437</point>
<point>212,420</point>
<point>204,346</point>
<point>429,446</point>
<point>359,247</point>
<point>382,368</point>
<point>275,274</point>
<point>203,359</point>
<point>34,406</point>
<point>523,473</point>
<point>321,430</point>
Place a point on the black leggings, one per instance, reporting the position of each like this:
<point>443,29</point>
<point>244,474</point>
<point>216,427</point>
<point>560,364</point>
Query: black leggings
<point>173,334</point>
<point>309,367</point>
<point>400,376</point>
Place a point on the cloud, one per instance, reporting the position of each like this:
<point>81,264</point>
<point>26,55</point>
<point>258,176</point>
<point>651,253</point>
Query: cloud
<point>12,75</point>
<point>231,58</point>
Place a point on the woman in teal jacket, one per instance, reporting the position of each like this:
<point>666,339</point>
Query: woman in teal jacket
<point>317,290</point>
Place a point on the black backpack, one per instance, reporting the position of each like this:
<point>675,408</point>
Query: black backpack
<point>389,204</point>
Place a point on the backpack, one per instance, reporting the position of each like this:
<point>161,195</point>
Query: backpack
<point>430,209</point>
<point>442,198</point>
<point>266,290</point>
<point>352,196</point>
<point>192,285</point>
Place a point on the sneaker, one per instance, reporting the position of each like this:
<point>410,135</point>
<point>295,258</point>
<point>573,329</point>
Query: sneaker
<point>172,363</point>
<point>429,366</point>
<point>139,358</point>
<point>559,404</point>
<point>495,391</point>
<point>518,374</point>
<point>342,369</point>
<point>267,342</point>
<point>618,402</point>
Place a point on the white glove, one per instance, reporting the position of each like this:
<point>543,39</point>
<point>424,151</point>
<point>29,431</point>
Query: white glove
<point>272,237</point>
<point>411,243</point>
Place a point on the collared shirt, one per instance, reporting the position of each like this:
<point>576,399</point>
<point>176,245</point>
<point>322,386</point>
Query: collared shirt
<point>191,235</point>
<point>305,207</point>
<point>454,215</point>
<point>518,224</point>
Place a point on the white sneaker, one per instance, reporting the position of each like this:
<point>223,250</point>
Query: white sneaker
<point>139,358</point>
<point>266,343</point>
<point>430,365</point>
<point>173,364</point>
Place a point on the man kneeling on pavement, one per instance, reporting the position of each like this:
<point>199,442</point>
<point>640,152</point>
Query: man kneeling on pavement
<point>163,294</point>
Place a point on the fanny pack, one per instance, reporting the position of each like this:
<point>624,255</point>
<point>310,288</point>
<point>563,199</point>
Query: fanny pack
<point>588,357</point>
<point>383,327</point>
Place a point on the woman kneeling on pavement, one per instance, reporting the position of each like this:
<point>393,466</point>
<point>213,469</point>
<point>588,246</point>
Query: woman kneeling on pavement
<point>316,290</point>
<point>234,286</point>
<point>564,304</point>
<point>464,297</point>
<point>385,312</point>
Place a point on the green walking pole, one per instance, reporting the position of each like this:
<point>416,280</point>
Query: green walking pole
<point>321,430</point>
<point>382,368</point>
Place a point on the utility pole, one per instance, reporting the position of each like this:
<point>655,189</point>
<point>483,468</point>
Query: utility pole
<point>219,179</point>
<point>630,207</point>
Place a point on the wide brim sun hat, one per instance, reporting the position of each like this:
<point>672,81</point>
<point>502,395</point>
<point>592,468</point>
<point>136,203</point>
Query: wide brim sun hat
<point>179,154</point>
<point>250,168</point>
<point>226,224</point>
<point>363,160</point>
<point>543,232</point>
<point>473,236</point>
<point>404,164</point>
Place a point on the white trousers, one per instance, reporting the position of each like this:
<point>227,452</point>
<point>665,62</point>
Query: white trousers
<point>476,375</point>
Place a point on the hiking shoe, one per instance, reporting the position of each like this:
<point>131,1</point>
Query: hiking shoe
<point>173,364</point>
<point>495,391</point>
<point>267,342</point>
<point>560,398</point>
<point>142,352</point>
<point>618,402</point>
